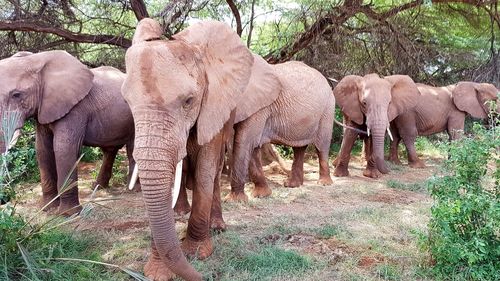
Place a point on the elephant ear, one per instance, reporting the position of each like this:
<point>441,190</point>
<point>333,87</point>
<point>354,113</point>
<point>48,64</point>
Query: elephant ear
<point>147,29</point>
<point>465,97</point>
<point>228,65</point>
<point>404,95</point>
<point>263,89</point>
<point>347,93</point>
<point>65,81</point>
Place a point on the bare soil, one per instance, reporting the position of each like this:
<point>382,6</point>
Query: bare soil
<point>352,227</point>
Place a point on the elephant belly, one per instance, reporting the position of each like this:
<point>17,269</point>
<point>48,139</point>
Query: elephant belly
<point>111,131</point>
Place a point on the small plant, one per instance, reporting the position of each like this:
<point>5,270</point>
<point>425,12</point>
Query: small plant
<point>396,184</point>
<point>464,230</point>
<point>91,154</point>
<point>328,231</point>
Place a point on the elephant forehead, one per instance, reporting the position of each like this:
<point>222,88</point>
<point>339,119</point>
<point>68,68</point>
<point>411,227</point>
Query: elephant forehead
<point>154,70</point>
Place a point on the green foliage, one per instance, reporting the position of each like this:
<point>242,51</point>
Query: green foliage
<point>21,159</point>
<point>40,249</point>
<point>464,230</point>
<point>91,154</point>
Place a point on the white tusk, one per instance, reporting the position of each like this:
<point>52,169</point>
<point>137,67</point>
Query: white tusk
<point>368,131</point>
<point>133,179</point>
<point>15,137</point>
<point>389,132</point>
<point>177,183</point>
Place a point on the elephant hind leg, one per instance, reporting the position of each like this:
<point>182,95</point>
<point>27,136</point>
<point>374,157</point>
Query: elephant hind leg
<point>413,160</point>
<point>106,170</point>
<point>296,177</point>
<point>257,176</point>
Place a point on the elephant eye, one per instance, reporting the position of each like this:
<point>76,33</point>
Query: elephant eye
<point>16,94</point>
<point>188,102</point>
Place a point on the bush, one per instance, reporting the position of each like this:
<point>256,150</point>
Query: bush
<point>21,159</point>
<point>464,230</point>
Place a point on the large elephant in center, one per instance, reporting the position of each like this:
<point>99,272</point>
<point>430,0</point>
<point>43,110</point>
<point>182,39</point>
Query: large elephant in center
<point>440,109</point>
<point>370,103</point>
<point>183,94</point>
<point>72,106</point>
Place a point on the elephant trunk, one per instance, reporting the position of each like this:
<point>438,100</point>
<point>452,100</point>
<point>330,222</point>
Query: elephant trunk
<point>156,159</point>
<point>378,135</point>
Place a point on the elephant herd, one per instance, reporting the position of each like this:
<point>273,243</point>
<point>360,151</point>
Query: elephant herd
<point>187,99</point>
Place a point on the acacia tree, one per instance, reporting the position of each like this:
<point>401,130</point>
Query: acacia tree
<point>338,37</point>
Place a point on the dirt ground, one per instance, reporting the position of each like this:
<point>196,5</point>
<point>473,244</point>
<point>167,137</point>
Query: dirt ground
<point>356,229</point>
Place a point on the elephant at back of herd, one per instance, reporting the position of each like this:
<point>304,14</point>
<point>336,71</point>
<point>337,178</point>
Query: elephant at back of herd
<point>73,106</point>
<point>441,109</point>
<point>184,101</point>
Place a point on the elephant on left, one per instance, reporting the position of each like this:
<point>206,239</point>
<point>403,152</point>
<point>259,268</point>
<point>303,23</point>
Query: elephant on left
<point>73,106</point>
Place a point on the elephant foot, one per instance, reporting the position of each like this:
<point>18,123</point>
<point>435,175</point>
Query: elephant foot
<point>236,197</point>
<point>261,191</point>
<point>156,270</point>
<point>199,249</point>
<point>100,184</point>
<point>68,210</point>
<point>292,182</point>
<point>182,208</point>
<point>394,160</point>
<point>325,181</point>
<point>218,224</point>
<point>341,172</point>
<point>372,173</point>
<point>417,164</point>
<point>50,207</point>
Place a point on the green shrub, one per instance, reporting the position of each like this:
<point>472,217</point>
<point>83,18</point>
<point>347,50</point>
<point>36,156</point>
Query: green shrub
<point>22,164</point>
<point>464,230</point>
<point>91,154</point>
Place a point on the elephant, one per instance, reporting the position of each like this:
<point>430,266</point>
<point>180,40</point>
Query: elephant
<point>440,109</point>
<point>301,114</point>
<point>72,106</point>
<point>185,94</point>
<point>370,103</point>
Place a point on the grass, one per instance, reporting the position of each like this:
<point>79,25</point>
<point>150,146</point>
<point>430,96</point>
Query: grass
<point>417,186</point>
<point>237,258</point>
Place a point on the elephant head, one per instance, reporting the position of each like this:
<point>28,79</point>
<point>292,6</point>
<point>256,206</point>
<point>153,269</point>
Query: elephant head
<point>45,85</point>
<point>375,101</point>
<point>189,85</point>
<point>472,98</point>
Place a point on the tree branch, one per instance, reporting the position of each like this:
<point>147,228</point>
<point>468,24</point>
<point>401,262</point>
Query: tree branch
<point>36,26</point>
<point>340,14</point>
<point>139,9</point>
<point>237,16</point>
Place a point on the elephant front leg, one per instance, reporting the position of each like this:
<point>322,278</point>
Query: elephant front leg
<point>257,176</point>
<point>342,161</point>
<point>393,151</point>
<point>208,163</point>
<point>216,220</point>
<point>371,170</point>
<point>66,149</point>
<point>296,177</point>
<point>47,165</point>
<point>106,170</point>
